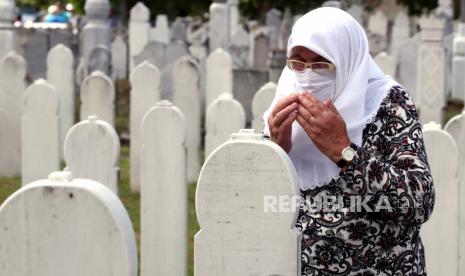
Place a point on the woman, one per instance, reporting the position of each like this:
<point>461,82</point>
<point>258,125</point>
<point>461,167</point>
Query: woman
<point>351,133</point>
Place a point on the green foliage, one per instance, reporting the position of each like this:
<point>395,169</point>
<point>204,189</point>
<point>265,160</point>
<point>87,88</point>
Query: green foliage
<point>416,7</point>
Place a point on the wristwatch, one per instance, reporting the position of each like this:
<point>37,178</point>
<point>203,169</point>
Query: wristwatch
<point>347,155</point>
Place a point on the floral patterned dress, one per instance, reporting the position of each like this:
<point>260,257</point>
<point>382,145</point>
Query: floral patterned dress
<point>391,164</point>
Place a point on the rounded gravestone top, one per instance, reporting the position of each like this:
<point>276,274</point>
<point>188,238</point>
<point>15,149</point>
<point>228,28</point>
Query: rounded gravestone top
<point>99,85</point>
<point>64,176</point>
<point>12,66</point>
<point>94,139</point>
<point>143,72</point>
<point>140,12</point>
<point>60,56</point>
<point>432,126</point>
<point>165,103</point>
<point>66,227</point>
<point>247,135</point>
<point>41,98</point>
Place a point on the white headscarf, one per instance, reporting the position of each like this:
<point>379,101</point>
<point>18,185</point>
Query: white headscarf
<point>359,91</point>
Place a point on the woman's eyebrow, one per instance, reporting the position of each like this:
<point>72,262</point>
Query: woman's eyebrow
<point>320,59</point>
<point>297,56</point>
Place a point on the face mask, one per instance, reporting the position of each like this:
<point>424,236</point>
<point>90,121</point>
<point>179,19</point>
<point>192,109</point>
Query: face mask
<point>322,87</point>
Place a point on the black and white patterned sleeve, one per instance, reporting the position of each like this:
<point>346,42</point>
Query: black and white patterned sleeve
<point>391,167</point>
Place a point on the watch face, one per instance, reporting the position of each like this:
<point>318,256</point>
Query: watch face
<point>348,154</point>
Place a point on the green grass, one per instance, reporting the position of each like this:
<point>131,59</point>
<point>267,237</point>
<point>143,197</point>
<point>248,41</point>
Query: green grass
<point>454,107</point>
<point>8,186</point>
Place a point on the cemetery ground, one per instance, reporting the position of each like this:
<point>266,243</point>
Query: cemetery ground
<point>131,200</point>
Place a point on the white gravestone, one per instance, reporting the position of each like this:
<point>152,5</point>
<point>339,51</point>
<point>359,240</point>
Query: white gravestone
<point>62,226</point>
<point>456,127</point>
<point>407,72</point>
<point>163,191</point>
<point>218,26</point>
<point>97,31</point>
<point>174,51</point>
<point>260,50</point>
<point>139,30</point>
<point>60,74</point>
<point>448,45</point>
<point>239,235</point>
<point>332,4</point>
<point>186,96</point>
<point>163,56</point>
<point>119,56</point>
<point>234,15</point>
<point>273,24</point>
<point>197,35</point>
<point>219,77</point>
<point>7,31</point>
<point>12,87</point>
<point>240,47</point>
<point>377,23</point>
<point>40,139</point>
<point>97,97</point>
<point>458,64</point>
<point>224,117</point>
<point>179,29</point>
<point>154,52</point>
<point>101,60</point>
<point>161,32</point>
<point>400,33</point>
<point>144,95</point>
<point>386,63</point>
<point>260,103</point>
<point>440,233</point>
<point>92,151</point>
<point>431,71</point>
<point>286,29</point>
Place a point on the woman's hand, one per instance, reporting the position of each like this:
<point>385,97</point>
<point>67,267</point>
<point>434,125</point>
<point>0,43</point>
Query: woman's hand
<point>323,124</point>
<point>281,119</point>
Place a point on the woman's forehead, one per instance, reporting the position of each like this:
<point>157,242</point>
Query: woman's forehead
<point>306,54</point>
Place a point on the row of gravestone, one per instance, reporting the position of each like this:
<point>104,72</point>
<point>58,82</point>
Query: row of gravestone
<point>91,152</point>
<point>223,113</point>
<point>13,70</point>
<point>248,50</point>
<point>45,226</point>
<point>46,221</point>
<point>97,98</point>
<point>98,95</point>
<point>424,68</point>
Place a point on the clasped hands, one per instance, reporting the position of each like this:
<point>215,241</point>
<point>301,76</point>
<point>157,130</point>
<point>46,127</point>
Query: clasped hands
<point>320,120</point>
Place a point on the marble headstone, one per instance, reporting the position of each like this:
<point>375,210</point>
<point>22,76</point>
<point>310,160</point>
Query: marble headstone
<point>66,226</point>
<point>60,74</point>
<point>163,182</point>
<point>224,117</point>
<point>186,96</point>
<point>12,87</point>
<point>139,30</point>
<point>40,135</point>
<point>92,151</point>
<point>229,202</point>
<point>144,95</point>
